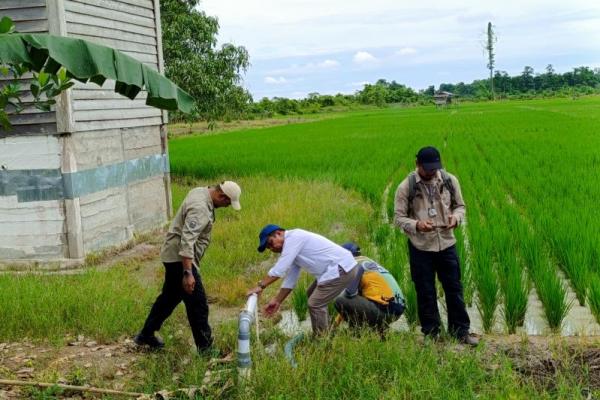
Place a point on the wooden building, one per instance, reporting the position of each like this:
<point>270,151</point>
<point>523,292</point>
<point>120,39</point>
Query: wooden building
<point>94,171</point>
<point>442,98</point>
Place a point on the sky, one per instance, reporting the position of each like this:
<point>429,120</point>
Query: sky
<point>336,46</point>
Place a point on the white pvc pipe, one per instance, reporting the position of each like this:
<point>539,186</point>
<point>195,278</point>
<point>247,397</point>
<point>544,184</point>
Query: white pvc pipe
<point>251,303</point>
<point>245,323</point>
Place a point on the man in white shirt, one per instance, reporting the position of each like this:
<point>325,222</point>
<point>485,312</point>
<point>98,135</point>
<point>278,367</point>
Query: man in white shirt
<point>332,266</point>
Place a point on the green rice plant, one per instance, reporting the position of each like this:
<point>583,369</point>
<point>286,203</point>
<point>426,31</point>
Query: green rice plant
<point>513,280</point>
<point>550,290</point>
<point>553,294</point>
<point>515,293</point>
<point>486,282</point>
<point>487,296</point>
<point>397,261</point>
<point>594,296</point>
<point>465,266</point>
<point>382,233</point>
<point>411,311</point>
<point>579,262</point>
<point>300,299</point>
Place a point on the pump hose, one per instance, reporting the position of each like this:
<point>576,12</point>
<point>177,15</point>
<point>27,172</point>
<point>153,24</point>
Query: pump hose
<point>289,349</point>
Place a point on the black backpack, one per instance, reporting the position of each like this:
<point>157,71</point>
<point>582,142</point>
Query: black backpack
<point>412,188</point>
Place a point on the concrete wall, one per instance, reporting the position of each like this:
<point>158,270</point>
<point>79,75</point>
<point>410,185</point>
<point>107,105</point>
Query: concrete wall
<point>31,229</point>
<point>94,171</point>
<point>110,130</point>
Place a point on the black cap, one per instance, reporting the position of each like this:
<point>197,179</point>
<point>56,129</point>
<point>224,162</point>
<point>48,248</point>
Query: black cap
<point>429,158</point>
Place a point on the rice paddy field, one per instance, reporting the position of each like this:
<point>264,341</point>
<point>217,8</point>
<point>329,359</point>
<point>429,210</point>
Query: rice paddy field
<point>529,172</point>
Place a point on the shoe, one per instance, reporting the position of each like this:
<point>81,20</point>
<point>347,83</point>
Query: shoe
<point>469,340</point>
<point>151,341</point>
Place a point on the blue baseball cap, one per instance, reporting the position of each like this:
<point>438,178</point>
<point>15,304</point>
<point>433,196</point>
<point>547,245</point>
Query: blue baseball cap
<point>263,236</point>
<point>352,248</point>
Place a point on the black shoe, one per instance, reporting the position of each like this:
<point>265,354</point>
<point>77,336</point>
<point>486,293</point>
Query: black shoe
<point>469,340</point>
<point>151,341</point>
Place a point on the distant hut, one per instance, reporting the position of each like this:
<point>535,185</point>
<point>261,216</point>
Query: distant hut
<point>442,98</point>
<point>94,171</point>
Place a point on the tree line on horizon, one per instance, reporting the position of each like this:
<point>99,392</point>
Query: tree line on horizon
<point>580,81</point>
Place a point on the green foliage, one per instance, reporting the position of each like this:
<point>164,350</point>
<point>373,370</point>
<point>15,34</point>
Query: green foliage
<point>193,61</point>
<point>6,25</point>
<point>401,367</point>
<point>102,304</point>
<point>44,87</point>
<point>529,84</point>
<point>300,299</point>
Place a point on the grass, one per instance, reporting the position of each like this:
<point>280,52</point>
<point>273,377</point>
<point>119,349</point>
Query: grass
<point>232,263</point>
<point>102,304</point>
<point>106,304</point>
<point>398,368</point>
<point>299,297</point>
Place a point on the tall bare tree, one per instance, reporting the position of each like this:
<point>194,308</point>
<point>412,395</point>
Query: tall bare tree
<point>489,47</point>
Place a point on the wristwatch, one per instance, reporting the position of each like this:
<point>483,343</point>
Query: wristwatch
<point>261,285</point>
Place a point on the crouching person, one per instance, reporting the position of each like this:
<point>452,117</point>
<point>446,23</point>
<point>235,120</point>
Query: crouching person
<point>373,298</point>
<point>332,266</point>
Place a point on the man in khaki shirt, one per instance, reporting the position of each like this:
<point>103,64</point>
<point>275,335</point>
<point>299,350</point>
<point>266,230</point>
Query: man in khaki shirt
<point>185,244</point>
<point>428,215</point>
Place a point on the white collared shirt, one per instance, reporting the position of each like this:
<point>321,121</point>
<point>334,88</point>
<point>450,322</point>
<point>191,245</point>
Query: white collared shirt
<point>318,255</point>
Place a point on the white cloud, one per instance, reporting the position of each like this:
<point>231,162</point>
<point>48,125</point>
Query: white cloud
<point>275,81</point>
<point>328,64</point>
<point>406,51</point>
<point>359,84</point>
<point>364,57</point>
<point>307,68</point>
<point>308,45</point>
<point>276,29</point>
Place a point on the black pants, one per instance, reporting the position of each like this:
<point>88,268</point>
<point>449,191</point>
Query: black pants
<point>423,267</point>
<point>172,294</point>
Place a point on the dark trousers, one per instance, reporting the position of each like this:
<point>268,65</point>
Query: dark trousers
<point>172,294</point>
<point>423,267</point>
<point>359,311</point>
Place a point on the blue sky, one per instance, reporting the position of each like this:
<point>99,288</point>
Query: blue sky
<point>330,46</point>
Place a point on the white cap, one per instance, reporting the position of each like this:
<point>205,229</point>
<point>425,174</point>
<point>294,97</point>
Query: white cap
<point>233,191</point>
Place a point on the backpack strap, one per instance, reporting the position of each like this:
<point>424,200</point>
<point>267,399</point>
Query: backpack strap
<point>447,183</point>
<point>412,190</point>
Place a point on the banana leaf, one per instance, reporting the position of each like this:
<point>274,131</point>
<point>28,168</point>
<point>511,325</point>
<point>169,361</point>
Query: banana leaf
<point>87,61</point>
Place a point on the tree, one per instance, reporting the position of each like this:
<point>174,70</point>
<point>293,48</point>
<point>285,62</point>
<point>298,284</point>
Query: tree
<point>527,82</point>
<point>193,61</point>
<point>489,47</point>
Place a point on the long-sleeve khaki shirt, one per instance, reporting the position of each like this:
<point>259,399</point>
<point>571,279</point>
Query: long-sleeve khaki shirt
<point>189,233</point>
<point>439,239</point>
